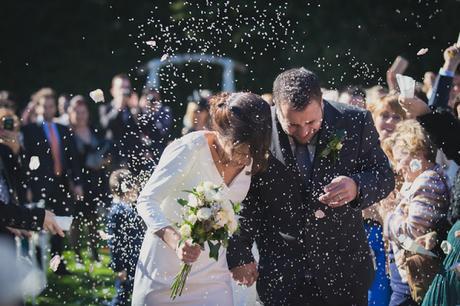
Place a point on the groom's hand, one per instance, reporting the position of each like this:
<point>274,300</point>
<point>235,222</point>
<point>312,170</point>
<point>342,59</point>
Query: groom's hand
<point>246,274</point>
<point>339,192</point>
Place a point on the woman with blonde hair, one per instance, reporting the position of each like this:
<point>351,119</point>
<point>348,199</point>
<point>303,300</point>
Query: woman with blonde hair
<point>422,206</point>
<point>387,113</point>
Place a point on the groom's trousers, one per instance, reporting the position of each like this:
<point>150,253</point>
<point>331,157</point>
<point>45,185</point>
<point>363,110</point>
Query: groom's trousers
<point>308,294</point>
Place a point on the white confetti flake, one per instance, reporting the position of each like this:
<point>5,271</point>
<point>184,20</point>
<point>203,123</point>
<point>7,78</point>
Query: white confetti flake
<point>55,262</point>
<point>151,43</point>
<point>97,95</point>
<point>124,187</point>
<point>422,51</point>
<point>446,247</point>
<point>319,214</point>
<point>104,235</point>
<point>164,57</point>
<point>34,163</point>
<point>415,165</point>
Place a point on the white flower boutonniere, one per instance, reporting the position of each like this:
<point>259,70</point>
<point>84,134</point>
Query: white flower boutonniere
<point>335,145</point>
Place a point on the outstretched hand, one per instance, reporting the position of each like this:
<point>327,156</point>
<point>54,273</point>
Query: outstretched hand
<point>245,275</point>
<point>339,192</point>
<point>50,224</point>
<point>413,107</point>
<point>452,57</point>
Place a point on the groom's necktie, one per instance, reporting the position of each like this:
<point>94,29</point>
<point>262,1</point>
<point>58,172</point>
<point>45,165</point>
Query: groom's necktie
<point>302,155</point>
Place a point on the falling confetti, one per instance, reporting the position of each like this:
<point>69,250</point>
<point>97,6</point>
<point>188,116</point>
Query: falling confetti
<point>415,165</point>
<point>446,247</point>
<point>151,43</point>
<point>104,235</point>
<point>164,57</point>
<point>34,163</point>
<point>422,51</point>
<point>97,95</point>
<point>319,214</point>
<point>55,262</point>
<point>124,187</point>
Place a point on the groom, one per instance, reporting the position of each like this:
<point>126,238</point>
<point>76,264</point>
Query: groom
<point>304,211</point>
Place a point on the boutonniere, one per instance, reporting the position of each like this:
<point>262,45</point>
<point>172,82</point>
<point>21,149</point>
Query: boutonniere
<point>335,145</point>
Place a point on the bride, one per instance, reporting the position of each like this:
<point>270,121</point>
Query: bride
<point>228,156</point>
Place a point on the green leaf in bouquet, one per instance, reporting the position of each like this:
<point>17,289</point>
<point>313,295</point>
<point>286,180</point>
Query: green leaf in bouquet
<point>214,250</point>
<point>182,202</point>
<point>236,207</point>
<point>225,242</point>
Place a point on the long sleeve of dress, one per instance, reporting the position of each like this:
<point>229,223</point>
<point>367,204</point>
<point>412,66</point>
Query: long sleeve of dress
<point>174,165</point>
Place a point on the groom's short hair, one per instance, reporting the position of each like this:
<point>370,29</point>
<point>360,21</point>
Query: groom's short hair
<point>296,87</point>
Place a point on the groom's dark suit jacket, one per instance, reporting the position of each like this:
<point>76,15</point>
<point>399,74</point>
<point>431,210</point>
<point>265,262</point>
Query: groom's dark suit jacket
<point>296,248</point>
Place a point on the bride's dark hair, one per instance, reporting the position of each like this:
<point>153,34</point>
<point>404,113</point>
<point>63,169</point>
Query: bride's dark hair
<point>243,118</point>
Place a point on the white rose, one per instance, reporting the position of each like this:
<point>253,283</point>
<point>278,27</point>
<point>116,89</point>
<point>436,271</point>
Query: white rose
<point>200,188</point>
<point>204,213</point>
<point>227,206</point>
<point>192,218</point>
<point>222,218</point>
<point>185,230</point>
<point>207,186</point>
<point>216,196</point>
<point>192,200</point>
<point>232,226</point>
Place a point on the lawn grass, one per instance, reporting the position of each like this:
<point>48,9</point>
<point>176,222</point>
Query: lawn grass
<point>90,285</point>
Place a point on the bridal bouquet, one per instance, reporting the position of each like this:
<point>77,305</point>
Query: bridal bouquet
<point>207,218</point>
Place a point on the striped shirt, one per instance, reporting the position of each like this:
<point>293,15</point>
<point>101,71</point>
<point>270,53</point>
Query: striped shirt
<point>424,202</point>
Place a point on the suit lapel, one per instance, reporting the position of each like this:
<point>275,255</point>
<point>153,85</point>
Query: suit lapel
<point>328,129</point>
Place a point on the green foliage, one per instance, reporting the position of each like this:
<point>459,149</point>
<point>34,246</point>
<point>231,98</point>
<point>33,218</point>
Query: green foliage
<point>88,285</point>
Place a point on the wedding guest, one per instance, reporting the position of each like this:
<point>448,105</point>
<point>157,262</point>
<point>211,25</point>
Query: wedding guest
<point>456,107</point>
<point>29,114</point>
<point>56,177</point>
<point>7,100</point>
<point>387,113</point>
<point>428,81</point>
<point>197,116</point>
<point>122,126</point>
<point>91,150</point>
<point>63,103</point>
<point>120,91</point>
<point>439,123</point>
<point>445,288</point>
<point>155,121</point>
<point>13,215</point>
<point>423,201</point>
<point>126,232</point>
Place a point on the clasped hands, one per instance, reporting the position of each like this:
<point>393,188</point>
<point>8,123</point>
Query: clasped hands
<point>245,275</point>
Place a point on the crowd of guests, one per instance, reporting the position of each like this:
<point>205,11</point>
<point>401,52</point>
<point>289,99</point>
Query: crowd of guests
<point>56,152</point>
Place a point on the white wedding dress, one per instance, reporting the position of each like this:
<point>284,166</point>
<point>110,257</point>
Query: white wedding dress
<point>184,164</point>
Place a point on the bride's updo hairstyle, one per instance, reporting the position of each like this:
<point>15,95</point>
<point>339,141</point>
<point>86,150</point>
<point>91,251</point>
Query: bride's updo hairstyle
<point>243,118</point>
